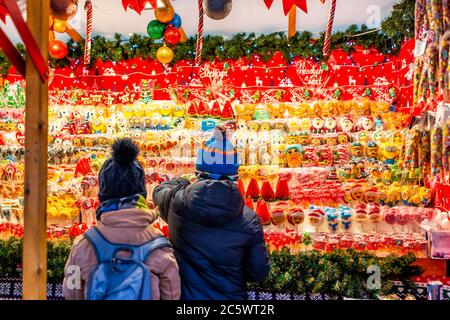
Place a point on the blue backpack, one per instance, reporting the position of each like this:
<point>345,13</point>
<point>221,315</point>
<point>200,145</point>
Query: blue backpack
<point>117,278</point>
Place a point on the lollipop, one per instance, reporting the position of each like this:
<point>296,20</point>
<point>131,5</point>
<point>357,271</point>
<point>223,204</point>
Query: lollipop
<point>374,214</point>
<point>346,216</point>
<point>295,216</point>
<point>390,215</point>
<point>361,213</point>
<point>403,218</point>
<point>315,216</point>
<point>277,216</point>
<point>332,218</point>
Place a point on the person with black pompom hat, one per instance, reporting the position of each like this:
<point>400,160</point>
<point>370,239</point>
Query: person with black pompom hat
<point>123,218</point>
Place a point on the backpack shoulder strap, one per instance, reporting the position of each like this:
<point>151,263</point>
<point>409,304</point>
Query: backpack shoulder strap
<point>103,248</point>
<point>144,251</point>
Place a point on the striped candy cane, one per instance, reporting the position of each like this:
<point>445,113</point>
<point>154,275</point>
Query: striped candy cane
<point>327,43</point>
<point>88,43</point>
<point>198,53</point>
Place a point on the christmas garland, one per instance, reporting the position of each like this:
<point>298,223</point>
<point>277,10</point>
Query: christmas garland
<point>341,273</point>
<point>11,258</point>
<point>395,29</point>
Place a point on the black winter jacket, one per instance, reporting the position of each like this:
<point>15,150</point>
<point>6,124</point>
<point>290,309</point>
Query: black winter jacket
<point>218,241</point>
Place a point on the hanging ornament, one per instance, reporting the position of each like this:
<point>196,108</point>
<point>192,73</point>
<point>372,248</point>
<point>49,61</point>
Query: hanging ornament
<point>155,29</point>
<point>172,35</point>
<point>164,55</point>
<point>63,9</point>
<point>89,26</point>
<point>288,4</point>
<point>59,26</point>
<point>198,51</point>
<point>327,42</point>
<point>164,15</point>
<point>57,49</point>
<point>217,9</point>
<point>138,5</point>
<point>176,21</point>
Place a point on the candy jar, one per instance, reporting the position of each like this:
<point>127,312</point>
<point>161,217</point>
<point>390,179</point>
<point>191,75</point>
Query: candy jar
<point>332,244</point>
<point>346,241</point>
<point>360,243</point>
<point>319,242</point>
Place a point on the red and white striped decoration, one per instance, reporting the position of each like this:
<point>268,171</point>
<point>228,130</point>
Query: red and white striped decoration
<point>327,42</point>
<point>198,52</point>
<point>88,43</point>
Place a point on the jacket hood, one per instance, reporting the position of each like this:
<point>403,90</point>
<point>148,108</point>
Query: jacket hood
<point>214,202</point>
<point>129,218</point>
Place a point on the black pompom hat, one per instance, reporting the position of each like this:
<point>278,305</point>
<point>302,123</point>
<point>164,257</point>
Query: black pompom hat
<point>122,176</point>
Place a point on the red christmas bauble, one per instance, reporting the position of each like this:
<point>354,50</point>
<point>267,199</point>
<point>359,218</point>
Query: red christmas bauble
<point>57,49</point>
<point>172,35</point>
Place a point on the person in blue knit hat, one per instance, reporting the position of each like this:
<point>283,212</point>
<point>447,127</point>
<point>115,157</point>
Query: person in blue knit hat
<point>218,241</point>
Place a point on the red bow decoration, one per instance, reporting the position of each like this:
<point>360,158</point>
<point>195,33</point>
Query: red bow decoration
<point>138,5</point>
<point>288,4</point>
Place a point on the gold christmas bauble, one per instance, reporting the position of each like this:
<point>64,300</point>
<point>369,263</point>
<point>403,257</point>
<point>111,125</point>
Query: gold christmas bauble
<point>164,15</point>
<point>164,55</point>
<point>59,26</point>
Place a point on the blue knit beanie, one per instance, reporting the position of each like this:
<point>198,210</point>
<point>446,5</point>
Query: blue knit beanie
<point>218,157</point>
<point>122,176</point>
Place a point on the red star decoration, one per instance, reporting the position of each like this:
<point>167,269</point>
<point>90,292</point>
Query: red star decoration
<point>138,5</point>
<point>288,4</point>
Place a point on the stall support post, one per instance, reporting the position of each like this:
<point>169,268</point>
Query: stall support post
<point>36,140</point>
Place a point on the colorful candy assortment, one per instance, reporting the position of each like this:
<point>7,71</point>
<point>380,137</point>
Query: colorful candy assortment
<point>328,168</point>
